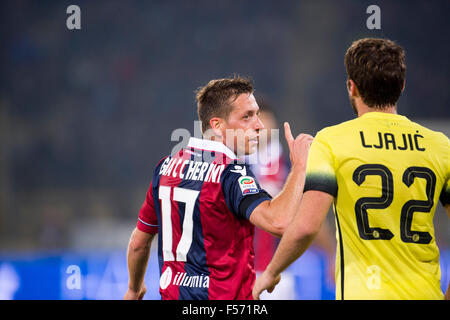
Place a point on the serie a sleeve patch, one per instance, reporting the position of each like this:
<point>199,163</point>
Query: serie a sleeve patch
<point>247,185</point>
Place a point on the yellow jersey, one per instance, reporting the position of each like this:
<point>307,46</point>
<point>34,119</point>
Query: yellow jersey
<point>386,174</point>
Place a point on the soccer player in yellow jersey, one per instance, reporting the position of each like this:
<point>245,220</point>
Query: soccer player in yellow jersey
<point>384,176</point>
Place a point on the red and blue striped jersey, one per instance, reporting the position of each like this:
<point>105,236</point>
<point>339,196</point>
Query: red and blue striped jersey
<point>199,203</point>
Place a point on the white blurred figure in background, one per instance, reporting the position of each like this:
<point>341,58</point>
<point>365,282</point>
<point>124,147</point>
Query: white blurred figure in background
<point>9,282</point>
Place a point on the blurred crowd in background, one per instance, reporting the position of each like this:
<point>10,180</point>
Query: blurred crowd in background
<point>86,114</point>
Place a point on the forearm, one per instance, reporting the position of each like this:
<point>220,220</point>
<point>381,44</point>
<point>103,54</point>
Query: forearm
<point>296,239</point>
<point>137,265</point>
<point>301,230</point>
<point>292,245</point>
<point>137,260</point>
<point>283,207</point>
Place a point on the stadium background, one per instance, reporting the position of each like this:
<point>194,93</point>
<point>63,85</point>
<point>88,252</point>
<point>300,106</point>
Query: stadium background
<point>86,114</point>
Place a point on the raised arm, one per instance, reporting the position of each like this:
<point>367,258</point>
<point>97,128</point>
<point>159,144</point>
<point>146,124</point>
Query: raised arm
<point>275,215</point>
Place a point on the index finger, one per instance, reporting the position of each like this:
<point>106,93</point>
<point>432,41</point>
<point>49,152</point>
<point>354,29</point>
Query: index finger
<point>288,133</point>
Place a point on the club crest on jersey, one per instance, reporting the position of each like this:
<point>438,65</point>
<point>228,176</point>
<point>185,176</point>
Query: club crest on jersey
<point>247,185</point>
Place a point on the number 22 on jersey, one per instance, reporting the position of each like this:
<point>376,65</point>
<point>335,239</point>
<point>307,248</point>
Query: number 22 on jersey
<point>387,186</point>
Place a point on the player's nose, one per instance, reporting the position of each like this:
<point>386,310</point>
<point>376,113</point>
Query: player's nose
<point>259,124</point>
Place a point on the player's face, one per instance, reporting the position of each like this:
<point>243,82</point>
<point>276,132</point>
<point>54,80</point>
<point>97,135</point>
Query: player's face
<point>241,129</point>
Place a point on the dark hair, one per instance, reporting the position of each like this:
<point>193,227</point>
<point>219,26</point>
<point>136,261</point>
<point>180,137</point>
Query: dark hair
<point>378,68</point>
<point>215,99</point>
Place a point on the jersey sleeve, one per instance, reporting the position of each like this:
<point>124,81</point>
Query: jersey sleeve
<point>241,190</point>
<point>445,193</point>
<point>147,220</point>
<point>320,169</point>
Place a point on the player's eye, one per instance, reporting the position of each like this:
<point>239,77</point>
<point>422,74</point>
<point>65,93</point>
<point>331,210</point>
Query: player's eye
<point>248,115</point>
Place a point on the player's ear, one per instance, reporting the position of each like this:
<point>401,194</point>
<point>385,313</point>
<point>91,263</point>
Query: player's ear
<point>352,89</point>
<point>216,125</point>
<point>404,84</point>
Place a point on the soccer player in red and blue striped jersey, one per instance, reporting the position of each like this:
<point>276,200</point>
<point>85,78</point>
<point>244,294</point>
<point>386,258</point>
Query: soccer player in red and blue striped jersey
<point>203,202</point>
